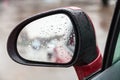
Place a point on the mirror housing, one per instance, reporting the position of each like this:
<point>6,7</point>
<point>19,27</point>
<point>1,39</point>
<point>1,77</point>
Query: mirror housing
<point>85,47</point>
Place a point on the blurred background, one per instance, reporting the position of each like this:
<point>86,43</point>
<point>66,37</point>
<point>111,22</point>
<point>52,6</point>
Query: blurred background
<point>13,12</point>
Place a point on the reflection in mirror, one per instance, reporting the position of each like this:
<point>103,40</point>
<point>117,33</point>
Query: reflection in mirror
<point>48,39</point>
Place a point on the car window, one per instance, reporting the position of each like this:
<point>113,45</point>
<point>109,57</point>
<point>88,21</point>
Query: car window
<point>112,72</point>
<point>117,51</point>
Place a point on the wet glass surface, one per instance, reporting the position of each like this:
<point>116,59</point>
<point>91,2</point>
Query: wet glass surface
<point>14,11</point>
<point>45,40</point>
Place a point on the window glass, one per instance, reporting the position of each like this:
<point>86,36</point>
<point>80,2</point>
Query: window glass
<point>117,51</point>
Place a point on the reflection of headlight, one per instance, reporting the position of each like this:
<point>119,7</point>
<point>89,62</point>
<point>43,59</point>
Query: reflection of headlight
<point>35,44</point>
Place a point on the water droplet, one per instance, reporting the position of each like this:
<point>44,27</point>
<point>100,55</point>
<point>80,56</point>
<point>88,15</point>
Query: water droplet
<point>51,25</point>
<point>62,16</point>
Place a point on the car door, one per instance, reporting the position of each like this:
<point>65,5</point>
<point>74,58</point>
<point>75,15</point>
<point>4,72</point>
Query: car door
<point>111,62</point>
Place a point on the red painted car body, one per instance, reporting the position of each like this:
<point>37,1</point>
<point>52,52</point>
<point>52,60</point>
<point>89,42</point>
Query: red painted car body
<point>87,70</point>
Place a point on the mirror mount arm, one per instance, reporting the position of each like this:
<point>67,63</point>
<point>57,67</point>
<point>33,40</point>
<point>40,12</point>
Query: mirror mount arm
<point>86,70</point>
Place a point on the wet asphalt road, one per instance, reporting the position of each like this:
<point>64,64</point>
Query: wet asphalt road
<point>14,11</point>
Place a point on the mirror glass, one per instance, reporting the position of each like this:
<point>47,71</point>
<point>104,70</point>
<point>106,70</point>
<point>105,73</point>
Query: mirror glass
<point>48,39</point>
